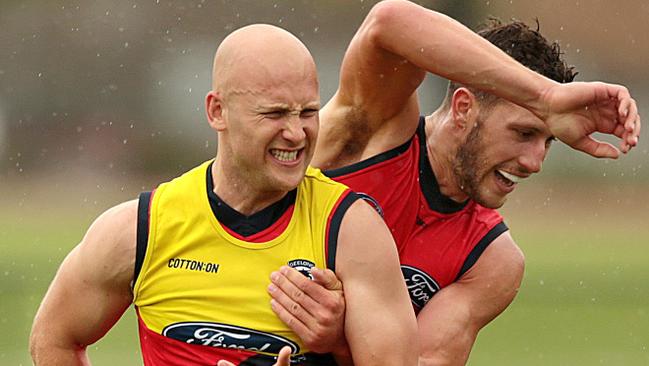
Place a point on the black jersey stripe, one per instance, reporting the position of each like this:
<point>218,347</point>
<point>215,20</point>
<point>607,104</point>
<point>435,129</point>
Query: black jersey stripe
<point>477,251</point>
<point>246,226</point>
<point>334,228</point>
<point>428,182</point>
<point>384,156</point>
<point>142,232</point>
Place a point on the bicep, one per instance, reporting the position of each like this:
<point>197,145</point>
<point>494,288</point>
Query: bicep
<point>91,289</point>
<point>379,321</point>
<point>450,321</point>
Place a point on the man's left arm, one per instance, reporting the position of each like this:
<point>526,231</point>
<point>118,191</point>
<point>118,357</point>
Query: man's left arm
<point>374,321</point>
<point>379,322</point>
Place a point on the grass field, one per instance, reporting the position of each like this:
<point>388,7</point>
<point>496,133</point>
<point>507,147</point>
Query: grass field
<point>584,300</point>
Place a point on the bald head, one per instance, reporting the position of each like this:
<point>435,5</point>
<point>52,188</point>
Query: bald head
<point>258,55</point>
<point>264,106</point>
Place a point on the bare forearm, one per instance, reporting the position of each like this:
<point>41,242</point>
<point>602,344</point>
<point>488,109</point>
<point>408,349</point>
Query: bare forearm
<point>440,45</point>
<point>393,341</point>
<point>50,355</point>
<point>449,351</point>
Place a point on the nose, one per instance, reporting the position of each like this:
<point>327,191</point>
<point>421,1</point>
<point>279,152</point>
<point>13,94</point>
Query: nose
<point>293,130</point>
<point>532,158</point>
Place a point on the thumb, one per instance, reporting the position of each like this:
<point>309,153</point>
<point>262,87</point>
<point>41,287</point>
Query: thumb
<point>284,357</point>
<point>326,278</point>
<point>596,148</point>
<point>224,363</point>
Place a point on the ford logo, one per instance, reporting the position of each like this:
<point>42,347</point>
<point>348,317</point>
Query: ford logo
<point>227,336</point>
<point>420,285</point>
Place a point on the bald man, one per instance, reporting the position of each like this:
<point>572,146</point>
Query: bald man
<point>195,255</point>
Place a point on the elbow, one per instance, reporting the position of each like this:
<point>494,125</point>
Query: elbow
<point>393,19</point>
<point>384,20</point>
<point>47,348</point>
<point>37,338</point>
<point>36,347</point>
<point>38,343</point>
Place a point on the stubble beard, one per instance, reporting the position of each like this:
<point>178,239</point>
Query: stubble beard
<point>469,165</point>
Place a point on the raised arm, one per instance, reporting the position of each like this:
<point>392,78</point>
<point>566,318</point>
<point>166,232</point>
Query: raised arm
<point>380,324</point>
<point>90,291</point>
<point>397,43</point>
<point>450,321</point>
<point>375,107</point>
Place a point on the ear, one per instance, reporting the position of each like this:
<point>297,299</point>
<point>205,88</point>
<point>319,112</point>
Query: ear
<point>464,109</point>
<point>215,111</point>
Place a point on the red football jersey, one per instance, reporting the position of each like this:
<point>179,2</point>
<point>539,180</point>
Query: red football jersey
<point>438,239</point>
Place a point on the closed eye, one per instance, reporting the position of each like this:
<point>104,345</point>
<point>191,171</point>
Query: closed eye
<point>273,114</point>
<point>306,113</point>
<point>525,134</point>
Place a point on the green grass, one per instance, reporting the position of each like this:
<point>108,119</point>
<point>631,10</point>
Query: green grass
<point>584,299</point>
<point>31,252</point>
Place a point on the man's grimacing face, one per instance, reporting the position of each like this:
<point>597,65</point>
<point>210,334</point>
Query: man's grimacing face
<point>507,144</point>
<point>273,130</point>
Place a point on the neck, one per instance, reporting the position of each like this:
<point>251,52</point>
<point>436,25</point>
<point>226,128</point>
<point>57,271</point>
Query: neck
<point>239,193</point>
<point>441,147</point>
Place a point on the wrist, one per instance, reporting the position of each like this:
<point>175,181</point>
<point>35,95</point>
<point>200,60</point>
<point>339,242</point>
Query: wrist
<point>541,104</point>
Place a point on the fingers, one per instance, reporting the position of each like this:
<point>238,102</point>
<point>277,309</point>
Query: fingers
<point>300,302</point>
<point>296,285</point>
<point>629,138</point>
<point>313,312</point>
<point>632,115</point>
<point>284,357</point>
<point>300,328</point>
<point>596,148</point>
<point>326,278</point>
<point>290,302</point>
<point>318,337</point>
<point>628,113</point>
<point>624,102</point>
<point>634,135</point>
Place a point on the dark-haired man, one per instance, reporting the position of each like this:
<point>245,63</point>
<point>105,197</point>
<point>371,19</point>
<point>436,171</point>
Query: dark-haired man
<point>438,179</point>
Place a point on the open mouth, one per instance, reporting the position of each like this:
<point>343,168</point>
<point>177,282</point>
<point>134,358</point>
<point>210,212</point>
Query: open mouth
<point>286,156</point>
<point>509,180</point>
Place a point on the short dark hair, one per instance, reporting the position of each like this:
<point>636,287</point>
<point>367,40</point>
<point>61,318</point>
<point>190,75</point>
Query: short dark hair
<point>526,46</point>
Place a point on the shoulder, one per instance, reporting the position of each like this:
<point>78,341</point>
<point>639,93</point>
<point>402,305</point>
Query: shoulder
<point>116,221</point>
<point>364,234</point>
<point>501,264</point>
<point>315,179</point>
<point>110,241</point>
<point>196,175</point>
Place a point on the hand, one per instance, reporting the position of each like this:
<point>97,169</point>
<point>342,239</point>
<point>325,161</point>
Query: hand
<point>314,310</point>
<point>283,358</point>
<point>576,110</point>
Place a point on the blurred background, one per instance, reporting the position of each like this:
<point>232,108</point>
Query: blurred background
<point>101,100</point>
